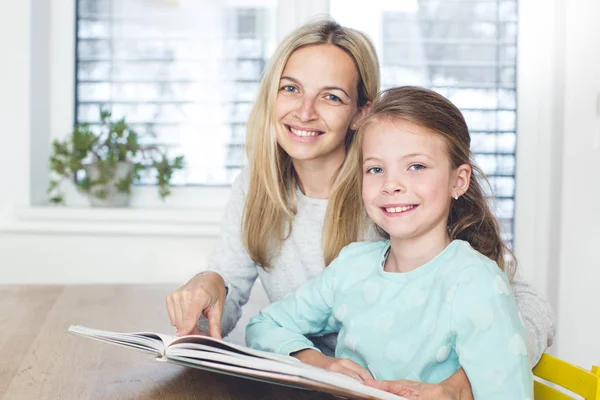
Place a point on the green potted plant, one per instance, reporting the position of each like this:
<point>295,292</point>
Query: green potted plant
<point>105,164</point>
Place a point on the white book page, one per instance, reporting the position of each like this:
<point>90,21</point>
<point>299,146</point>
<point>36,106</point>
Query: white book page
<point>192,341</point>
<point>273,368</point>
<point>286,380</point>
<point>146,341</point>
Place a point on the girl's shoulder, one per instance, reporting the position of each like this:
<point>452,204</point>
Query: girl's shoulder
<point>471,265</point>
<point>366,249</point>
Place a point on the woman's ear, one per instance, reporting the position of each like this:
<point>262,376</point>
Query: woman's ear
<point>462,180</point>
<point>360,115</point>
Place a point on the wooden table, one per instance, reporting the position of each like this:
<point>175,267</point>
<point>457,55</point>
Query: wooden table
<point>40,360</point>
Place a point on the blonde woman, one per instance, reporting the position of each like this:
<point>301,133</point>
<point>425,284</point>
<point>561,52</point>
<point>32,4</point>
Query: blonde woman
<point>318,86</point>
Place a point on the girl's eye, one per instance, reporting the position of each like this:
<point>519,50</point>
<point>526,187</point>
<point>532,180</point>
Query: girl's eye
<point>416,167</point>
<point>333,97</point>
<point>374,170</point>
<point>289,88</point>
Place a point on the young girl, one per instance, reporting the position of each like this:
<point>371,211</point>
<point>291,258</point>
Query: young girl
<point>431,298</point>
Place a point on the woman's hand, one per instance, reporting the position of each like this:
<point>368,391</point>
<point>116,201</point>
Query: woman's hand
<point>456,387</point>
<point>340,365</point>
<point>204,294</point>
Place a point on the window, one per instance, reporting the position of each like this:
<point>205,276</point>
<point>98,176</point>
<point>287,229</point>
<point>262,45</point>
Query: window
<point>465,50</point>
<point>188,71</point>
<point>185,72</point>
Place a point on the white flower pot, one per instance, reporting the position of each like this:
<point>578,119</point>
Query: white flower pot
<point>114,198</point>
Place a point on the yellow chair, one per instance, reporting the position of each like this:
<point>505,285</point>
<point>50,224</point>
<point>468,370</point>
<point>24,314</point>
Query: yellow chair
<point>575,379</point>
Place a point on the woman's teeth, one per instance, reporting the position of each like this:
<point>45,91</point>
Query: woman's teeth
<point>298,132</point>
<point>398,209</point>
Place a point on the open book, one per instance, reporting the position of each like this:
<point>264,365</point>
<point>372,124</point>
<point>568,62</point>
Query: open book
<point>218,356</point>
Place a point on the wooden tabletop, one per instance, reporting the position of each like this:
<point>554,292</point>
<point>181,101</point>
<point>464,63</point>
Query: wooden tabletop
<point>40,360</point>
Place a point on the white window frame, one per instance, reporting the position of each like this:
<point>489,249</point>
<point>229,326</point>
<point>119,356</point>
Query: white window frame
<point>197,210</point>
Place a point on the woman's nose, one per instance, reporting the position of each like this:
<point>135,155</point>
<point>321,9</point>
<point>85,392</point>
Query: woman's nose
<point>306,109</point>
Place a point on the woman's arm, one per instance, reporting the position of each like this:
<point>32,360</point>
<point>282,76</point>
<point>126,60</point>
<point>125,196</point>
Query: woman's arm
<point>538,317</point>
<point>235,269</point>
<point>230,258</point>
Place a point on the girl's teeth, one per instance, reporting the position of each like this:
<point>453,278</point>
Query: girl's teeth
<point>398,209</point>
<point>298,132</point>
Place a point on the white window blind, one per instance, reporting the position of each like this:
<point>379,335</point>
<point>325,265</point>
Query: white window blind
<point>186,72</point>
<point>465,50</point>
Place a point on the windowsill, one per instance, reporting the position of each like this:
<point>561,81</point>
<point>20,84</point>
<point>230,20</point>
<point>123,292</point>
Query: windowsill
<point>169,222</point>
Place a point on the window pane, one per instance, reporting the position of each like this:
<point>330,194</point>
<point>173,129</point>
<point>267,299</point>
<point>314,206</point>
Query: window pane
<point>465,50</point>
<point>184,73</point>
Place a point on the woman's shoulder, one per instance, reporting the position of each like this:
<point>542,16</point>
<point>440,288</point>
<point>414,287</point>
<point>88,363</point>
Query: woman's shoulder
<point>242,181</point>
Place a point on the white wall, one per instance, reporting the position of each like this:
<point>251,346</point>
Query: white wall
<point>557,224</point>
<point>579,275</point>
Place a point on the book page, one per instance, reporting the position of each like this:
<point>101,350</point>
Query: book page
<point>146,341</point>
<point>191,342</point>
<point>288,380</point>
<point>300,373</point>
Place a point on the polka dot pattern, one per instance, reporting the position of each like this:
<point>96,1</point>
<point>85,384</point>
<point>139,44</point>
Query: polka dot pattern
<point>371,291</point>
<point>482,318</point>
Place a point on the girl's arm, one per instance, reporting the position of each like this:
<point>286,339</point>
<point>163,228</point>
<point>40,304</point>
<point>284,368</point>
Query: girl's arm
<point>490,338</point>
<point>538,318</point>
<point>282,326</point>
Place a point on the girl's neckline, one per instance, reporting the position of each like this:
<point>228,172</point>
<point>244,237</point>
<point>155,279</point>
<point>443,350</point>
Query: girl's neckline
<point>433,265</point>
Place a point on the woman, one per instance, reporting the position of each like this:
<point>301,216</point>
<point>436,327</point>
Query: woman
<point>318,86</point>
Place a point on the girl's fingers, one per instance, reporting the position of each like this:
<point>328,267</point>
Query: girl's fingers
<point>350,373</point>
<point>403,388</point>
<point>357,369</point>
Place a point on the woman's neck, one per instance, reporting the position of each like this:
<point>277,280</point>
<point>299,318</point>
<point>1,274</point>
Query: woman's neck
<point>315,177</point>
<point>408,254</point>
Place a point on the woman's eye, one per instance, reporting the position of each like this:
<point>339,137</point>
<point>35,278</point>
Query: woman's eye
<point>333,97</point>
<point>289,88</point>
<point>374,170</point>
<point>416,167</point>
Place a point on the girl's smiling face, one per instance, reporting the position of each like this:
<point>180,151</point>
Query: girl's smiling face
<point>316,102</point>
<point>408,181</point>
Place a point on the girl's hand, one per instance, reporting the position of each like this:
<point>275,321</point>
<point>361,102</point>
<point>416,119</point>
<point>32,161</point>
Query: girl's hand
<point>413,390</point>
<point>456,387</point>
<point>204,294</point>
<point>340,365</point>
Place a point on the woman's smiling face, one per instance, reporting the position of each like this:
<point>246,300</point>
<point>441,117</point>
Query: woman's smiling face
<point>316,102</point>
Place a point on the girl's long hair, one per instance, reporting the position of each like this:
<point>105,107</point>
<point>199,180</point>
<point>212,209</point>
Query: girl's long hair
<point>470,217</point>
<point>270,203</point>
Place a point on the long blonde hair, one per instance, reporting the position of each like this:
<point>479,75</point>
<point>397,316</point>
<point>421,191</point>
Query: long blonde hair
<point>270,203</point>
<point>470,217</point>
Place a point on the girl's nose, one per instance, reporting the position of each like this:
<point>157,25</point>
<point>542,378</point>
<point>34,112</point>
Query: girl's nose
<point>306,110</point>
<point>392,185</point>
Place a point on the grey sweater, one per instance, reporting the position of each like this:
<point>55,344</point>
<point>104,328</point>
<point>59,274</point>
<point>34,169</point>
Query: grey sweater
<point>301,258</point>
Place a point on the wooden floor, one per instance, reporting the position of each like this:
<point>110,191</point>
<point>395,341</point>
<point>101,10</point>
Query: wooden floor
<point>40,360</point>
